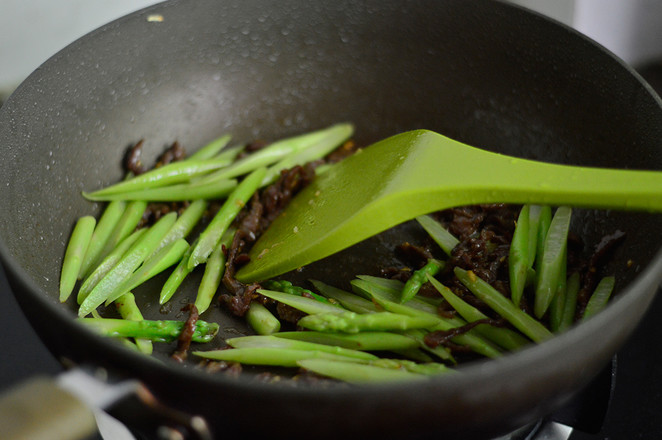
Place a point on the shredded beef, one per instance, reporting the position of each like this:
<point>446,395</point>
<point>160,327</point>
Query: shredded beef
<point>184,341</point>
<point>345,150</point>
<point>175,153</point>
<point>443,337</point>
<point>132,161</point>
<point>251,222</point>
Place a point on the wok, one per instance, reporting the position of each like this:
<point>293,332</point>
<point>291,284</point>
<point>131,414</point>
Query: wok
<point>486,73</point>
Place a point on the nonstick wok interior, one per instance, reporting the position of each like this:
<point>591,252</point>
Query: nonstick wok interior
<point>486,73</point>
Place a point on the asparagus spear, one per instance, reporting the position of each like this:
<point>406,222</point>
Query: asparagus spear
<point>127,264</point>
<point>518,258</point>
<point>439,234</point>
<point>364,341</point>
<point>287,287</point>
<point>348,300</point>
<point>275,342</point>
<point>214,269</point>
<point>275,152</point>
<point>108,263</point>
<point>470,339</point>
<point>124,227</point>
<point>306,305</point>
<point>333,138</point>
<point>177,276</point>
<point>211,149</point>
<point>506,338</point>
<point>157,331</point>
<point>104,227</point>
<point>172,173</point>
<point>350,322</point>
<point>280,357</point>
<point>418,278</point>
<point>358,373</point>
<point>503,306</point>
<point>261,319</point>
<point>203,190</point>
<point>599,297</point>
<point>74,255</point>
<point>570,306</point>
<point>439,351</point>
<point>128,309</point>
<point>556,242</point>
<point>159,262</point>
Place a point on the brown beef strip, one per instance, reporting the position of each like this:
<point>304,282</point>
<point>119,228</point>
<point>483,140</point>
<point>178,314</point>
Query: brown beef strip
<point>252,221</point>
<point>175,153</point>
<point>443,337</point>
<point>184,340</point>
<point>241,295</point>
<point>132,161</point>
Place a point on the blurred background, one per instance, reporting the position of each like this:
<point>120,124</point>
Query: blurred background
<point>31,31</point>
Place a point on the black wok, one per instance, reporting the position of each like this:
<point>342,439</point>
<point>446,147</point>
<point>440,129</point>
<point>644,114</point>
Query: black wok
<point>485,73</point>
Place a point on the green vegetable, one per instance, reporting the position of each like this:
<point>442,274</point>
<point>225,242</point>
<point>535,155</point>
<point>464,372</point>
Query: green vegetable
<point>126,225</point>
<point>365,341</point>
<point>261,319</point>
<point>203,189</point>
<point>557,307</point>
<point>302,303</point>
<point>157,331</point>
<point>108,263</point>
<point>518,258</point>
<point>185,223</point>
<point>282,357</point>
<point>544,221</point>
<point>599,297</point>
<point>420,309</point>
<point>275,342</point>
<point>287,287</point>
<point>358,373</point>
<point>210,237</point>
<point>104,228</point>
<point>418,278</point>
<point>556,242</point>
<point>333,137</point>
<point>570,306</point>
<point>153,266</point>
<point>214,270</point>
<point>172,173</point>
<point>350,322</point>
<point>211,149</point>
<point>439,351</point>
<point>428,368</point>
<point>129,262</point>
<point>439,234</point>
<point>535,213</point>
<point>370,286</point>
<point>506,338</point>
<point>128,309</point>
<point>74,255</point>
<point>348,300</point>
<point>503,306</point>
<point>274,152</point>
<point>177,276</point>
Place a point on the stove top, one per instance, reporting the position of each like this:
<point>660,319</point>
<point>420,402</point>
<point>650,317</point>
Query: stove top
<point>633,380</point>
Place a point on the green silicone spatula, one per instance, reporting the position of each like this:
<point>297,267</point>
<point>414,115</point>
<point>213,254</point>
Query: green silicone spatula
<point>418,172</point>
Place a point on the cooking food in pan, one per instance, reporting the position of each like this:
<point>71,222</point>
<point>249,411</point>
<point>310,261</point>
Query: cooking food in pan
<point>481,281</point>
